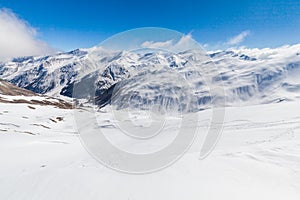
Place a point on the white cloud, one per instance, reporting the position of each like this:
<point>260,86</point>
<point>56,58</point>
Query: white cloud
<point>157,45</point>
<point>238,38</point>
<point>18,38</point>
<point>184,43</point>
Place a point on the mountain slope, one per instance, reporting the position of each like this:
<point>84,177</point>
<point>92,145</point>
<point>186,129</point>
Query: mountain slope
<point>10,93</point>
<point>249,76</point>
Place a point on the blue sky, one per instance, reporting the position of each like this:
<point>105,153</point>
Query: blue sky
<point>68,24</point>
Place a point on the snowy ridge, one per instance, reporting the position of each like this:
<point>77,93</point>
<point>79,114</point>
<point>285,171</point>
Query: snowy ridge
<point>249,76</point>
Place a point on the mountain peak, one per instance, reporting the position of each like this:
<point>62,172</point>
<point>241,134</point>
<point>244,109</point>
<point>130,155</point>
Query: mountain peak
<point>248,75</point>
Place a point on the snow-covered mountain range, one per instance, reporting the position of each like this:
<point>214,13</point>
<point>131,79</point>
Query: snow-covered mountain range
<point>248,76</point>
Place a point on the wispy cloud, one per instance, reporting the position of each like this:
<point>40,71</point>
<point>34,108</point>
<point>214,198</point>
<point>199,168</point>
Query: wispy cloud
<point>18,38</point>
<point>184,43</point>
<point>238,38</point>
<point>157,45</point>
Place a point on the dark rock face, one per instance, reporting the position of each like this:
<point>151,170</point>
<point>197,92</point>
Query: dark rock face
<point>104,97</point>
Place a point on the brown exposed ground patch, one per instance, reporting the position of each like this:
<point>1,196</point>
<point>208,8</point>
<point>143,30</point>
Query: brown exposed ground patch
<point>33,108</point>
<point>53,120</point>
<point>9,89</point>
<point>30,133</point>
<point>41,126</point>
<point>12,90</point>
<point>59,118</point>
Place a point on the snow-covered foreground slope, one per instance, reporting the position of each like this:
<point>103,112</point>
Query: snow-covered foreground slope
<point>257,157</point>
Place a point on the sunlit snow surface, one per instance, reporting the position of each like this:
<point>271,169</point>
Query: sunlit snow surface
<point>257,157</point>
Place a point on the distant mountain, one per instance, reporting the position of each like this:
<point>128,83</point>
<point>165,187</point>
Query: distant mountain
<point>249,76</point>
